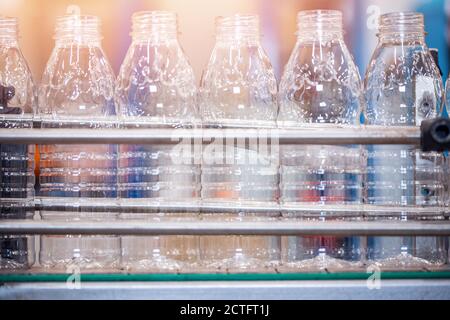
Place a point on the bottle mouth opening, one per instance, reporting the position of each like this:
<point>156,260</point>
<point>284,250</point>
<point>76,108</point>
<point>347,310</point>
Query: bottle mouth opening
<point>155,17</point>
<point>318,20</point>
<point>9,27</point>
<point>401,22</point>
<point>320,14</point>
<point>6,21</point>
<point>238,25</point>
<point>70,26</point>
<point>238,20</point>
<point>147,23</point>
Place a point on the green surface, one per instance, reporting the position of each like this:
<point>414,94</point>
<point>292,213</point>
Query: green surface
<point>223,277</point>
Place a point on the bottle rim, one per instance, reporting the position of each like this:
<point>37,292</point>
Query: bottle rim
<point>147,24</point>
<point>238,25</point>
<point>238,19</point>
<point>9,27</point>
<point>156,16</point>
<point>321,13</point>
<point>402,23</point>
<point>8,21</point>
<point>320,20</point>
<point>78,26</point>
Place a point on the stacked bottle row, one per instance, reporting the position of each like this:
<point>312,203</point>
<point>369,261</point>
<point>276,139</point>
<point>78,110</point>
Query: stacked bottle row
<point>156,87</point>
<point>17,100</point>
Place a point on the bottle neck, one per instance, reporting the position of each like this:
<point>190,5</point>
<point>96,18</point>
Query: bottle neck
<point>401,38</point>
<point>9,31</point>
<point>321,25</point>
<point>79,30</point>
<point>238,28</point>
<point>154,26</point>
<point>401,27</point>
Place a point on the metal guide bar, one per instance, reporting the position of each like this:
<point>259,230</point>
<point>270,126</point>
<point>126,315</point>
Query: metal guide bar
<point>278,227</point>
<point>137,205</point>
<point>306,135</point>
<point>432,289</point>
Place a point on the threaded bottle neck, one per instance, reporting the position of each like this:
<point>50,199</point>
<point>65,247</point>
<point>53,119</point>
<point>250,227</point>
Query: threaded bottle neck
<point>319,24</point>
<point>402,26</point>
<point>9,30</point>
<point>154,26</point>
<point>238,28</point>
<point>82,30</point>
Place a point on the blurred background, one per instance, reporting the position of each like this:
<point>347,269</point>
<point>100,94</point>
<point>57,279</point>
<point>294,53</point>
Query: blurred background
<point>196,18</point>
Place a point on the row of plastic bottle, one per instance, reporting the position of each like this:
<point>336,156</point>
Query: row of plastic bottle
<point>156,88</point>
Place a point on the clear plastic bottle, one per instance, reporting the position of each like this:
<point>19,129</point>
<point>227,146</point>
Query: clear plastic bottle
<point>77,91</point>
<point>156,89</point>
<point>17,103</point>
<point>238,89</point>
<point>447,165</point>
<point>447,94</point>
<point>320,88</point>
<point>447,156</point>
<point>403,87</point>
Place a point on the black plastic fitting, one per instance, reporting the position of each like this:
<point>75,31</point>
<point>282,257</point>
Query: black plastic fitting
<point>6,94</point>
<point>435,135</point>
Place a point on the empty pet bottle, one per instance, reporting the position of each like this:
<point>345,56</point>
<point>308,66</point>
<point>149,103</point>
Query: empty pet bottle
<point>238,90</point>
<point>320,88</point>
<point>403,87</point>
<point>76,181</point>
<point>156,89</point>
<point>17,102</point>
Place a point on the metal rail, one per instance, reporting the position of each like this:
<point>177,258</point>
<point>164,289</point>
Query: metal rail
<point>306,135</point>
<point>137,205</point>
<point>280,227</point>
<point>233,290</point>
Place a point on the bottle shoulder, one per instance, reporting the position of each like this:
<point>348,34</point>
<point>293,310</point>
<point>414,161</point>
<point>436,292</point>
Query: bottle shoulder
<point>145,63</point>
<point>404,62</point>
<point>315,63</point>
<point>320,84</point>
<point>402,85</point>
<point>78,81</point>
<point>246,66</point>
<point>15,73</point>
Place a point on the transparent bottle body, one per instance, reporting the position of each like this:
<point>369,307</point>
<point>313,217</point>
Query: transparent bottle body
<point>447,155</point>
<point>239,176</point>
<point>322,175</point>
<point>447,96</point>
<point>238,89</point>
<point>320,88</point>
<point>156,89</point>
<point>16,160</point>
<point>402,88</point>
<point>77,92</point>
